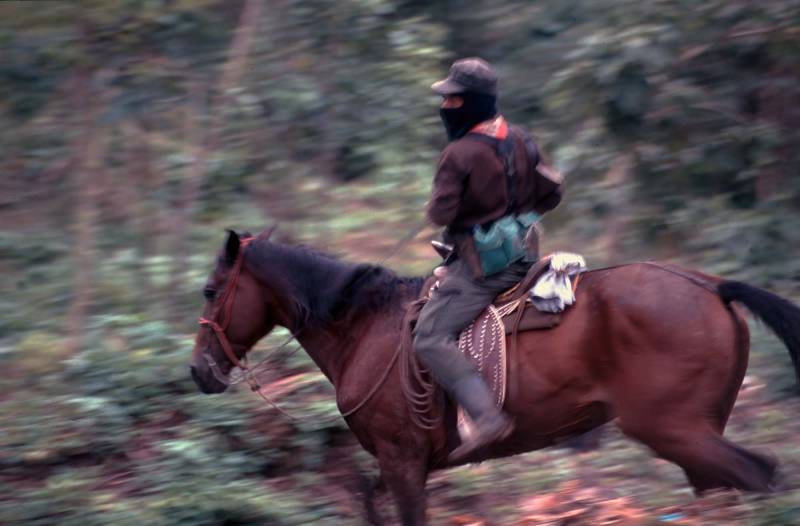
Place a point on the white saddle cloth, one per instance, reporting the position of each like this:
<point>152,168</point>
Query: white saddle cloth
<point>553,290</point>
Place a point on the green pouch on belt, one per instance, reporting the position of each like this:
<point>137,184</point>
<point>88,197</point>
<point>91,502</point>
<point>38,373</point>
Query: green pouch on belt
<point>502,243</point>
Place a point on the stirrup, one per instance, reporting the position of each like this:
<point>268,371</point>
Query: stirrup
<point>503,426</point>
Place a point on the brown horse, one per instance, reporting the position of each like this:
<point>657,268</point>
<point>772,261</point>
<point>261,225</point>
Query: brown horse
<point>658,348</point>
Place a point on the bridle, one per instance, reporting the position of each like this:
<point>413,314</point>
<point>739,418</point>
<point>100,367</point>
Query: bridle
<point>249,374</point>
<point>219,328</point>
<point>225,308</point>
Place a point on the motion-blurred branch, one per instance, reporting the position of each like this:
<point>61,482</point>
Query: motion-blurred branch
<point>757,31</point>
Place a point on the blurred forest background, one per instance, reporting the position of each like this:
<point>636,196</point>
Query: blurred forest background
<point>133,132</point>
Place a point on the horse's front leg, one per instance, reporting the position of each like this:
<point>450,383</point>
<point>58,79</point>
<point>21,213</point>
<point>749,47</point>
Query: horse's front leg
<point>404,470</point>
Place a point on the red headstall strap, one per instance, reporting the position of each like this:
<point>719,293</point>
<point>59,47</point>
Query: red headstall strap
<point>226,306</point>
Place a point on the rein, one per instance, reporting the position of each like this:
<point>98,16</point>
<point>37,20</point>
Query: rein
<point>249,373</point>
<point>412,233</point>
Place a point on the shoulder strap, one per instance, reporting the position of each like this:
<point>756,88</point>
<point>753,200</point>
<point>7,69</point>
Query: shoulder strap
<point>505,151</point>
<point>530,146</point>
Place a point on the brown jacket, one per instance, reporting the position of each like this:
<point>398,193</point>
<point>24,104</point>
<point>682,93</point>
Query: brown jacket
<point>470,183</point>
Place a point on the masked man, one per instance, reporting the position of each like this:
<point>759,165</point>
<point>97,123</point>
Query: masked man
<point>489,188</point>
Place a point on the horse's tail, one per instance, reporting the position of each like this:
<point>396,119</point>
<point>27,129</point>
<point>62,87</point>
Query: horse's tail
<point>780,315</point>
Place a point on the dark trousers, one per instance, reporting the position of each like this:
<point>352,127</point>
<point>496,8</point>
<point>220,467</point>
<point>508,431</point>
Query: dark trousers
<point>457,302</point>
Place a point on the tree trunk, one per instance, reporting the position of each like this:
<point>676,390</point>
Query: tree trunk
<point>190,189</point>
<point>140,182</point>
<point>617,178</point>
<point>201,145</point>
<point>87,168</point>
<point>234,68</point>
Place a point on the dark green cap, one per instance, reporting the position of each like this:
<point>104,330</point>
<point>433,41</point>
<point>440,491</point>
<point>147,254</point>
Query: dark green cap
<point>468,74</point>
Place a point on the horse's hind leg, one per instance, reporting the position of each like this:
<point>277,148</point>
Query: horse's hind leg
<point>724,464</point>
<point>709,460</point>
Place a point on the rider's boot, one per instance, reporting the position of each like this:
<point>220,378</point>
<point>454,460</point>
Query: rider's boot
<point>491,424</point>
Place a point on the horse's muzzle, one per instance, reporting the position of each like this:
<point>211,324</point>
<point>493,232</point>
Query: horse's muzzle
<point>206,381</point>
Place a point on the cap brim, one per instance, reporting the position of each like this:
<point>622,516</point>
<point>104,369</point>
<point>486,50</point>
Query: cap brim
<point>447,87</point>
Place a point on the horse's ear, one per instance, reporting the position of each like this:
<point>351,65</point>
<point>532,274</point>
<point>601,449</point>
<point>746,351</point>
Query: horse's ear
<point>232,246</point>
<point>265,235</point>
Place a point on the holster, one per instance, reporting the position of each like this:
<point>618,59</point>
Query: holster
<point>532,243</point>
<point>464,249</point>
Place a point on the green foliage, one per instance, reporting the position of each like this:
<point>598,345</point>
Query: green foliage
<point>124,409</point>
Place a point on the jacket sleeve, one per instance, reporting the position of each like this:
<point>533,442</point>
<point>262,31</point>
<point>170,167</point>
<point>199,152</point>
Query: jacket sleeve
<point>448,187</point>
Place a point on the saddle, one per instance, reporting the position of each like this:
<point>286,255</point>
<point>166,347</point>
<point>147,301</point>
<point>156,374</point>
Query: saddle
<point>508,303</point>
<point>489,342</point>
<point>529,318</point>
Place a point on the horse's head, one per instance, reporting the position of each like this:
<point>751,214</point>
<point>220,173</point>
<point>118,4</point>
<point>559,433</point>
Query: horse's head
<point>234,318</point>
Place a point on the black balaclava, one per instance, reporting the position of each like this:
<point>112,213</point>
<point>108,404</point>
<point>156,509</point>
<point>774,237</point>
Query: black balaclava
<point>477,107</point>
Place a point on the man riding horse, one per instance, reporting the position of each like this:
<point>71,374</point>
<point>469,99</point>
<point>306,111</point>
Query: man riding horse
<point>489,188</point>
<point>615,356</point>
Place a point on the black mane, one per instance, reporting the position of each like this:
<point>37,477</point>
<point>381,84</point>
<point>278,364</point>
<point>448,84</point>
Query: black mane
<point>326,290</point>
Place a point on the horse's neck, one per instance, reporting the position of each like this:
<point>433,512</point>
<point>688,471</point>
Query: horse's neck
<point>329,342</point>
<point>332,349</point>
<point>326,353</point>
<point>326,346</point>
<point>367,340</point>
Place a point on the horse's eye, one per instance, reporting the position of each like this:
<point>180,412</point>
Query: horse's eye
<point>209,294</point>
